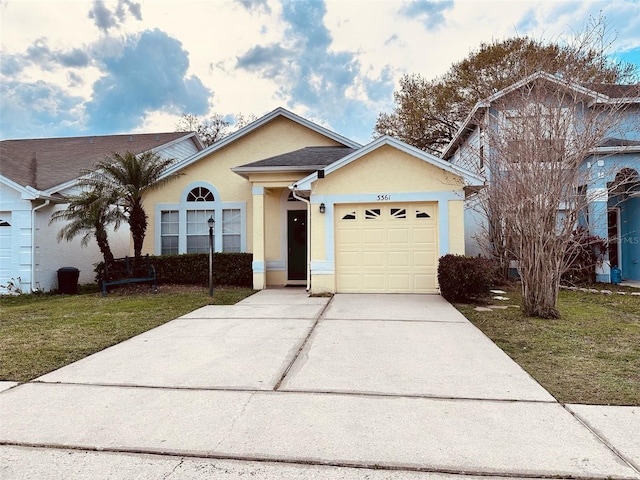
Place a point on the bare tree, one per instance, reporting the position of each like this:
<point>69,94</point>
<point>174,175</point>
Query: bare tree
<point>213,128</point>
<point>534,143</point>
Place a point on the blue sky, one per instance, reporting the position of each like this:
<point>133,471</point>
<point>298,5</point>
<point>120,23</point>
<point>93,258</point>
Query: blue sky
<point>88,67</point>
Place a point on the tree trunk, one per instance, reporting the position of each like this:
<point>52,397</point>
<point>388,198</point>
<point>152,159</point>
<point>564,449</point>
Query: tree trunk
<point>103,244</point>
<point>138,225</point>
<point>540,282</point>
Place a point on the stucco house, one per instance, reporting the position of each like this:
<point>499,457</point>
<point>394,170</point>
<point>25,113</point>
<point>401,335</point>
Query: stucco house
<point>613,211</point>
<point>315,208</point>
<point>35,174</point>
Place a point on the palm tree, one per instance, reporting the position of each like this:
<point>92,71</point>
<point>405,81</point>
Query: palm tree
<point>130,177</point>
<point>88,214</point>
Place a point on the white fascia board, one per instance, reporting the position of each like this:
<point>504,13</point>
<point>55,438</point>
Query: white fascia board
<point>245,171</point>
<point>614,150</point>
<point>448,152</point>
<point>26,193</point>
<point>255,125</point>
<point>469,177</point>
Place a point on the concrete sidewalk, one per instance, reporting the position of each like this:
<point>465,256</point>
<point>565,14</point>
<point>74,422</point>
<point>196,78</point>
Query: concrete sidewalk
<point>282,385</point>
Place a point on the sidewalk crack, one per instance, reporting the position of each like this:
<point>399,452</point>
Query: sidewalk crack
<point>227,435</point>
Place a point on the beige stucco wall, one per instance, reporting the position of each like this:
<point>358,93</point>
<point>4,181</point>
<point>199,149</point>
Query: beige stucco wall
<point>279,136</point>
<point>387,170</point>
<point>456,227</point>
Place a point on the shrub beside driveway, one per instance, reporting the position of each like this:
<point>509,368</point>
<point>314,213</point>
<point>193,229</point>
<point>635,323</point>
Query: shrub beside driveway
<point>40,333</point>
<point>590,355</point>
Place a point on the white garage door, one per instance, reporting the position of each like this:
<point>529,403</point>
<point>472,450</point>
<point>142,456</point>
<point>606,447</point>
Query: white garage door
<point>386,248</point>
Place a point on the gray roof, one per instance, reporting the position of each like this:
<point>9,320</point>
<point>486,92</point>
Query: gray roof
<point>613,90</point>
<point>619,142</point>
<point>310,158</point>
<point>44,163</point>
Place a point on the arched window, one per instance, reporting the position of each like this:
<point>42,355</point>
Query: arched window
<point>183,227</point>
<point>200,194</point>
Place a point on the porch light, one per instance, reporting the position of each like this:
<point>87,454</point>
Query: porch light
<point>322,208</point>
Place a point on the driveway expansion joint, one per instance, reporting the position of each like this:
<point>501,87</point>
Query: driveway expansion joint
<point>311,462</point>
<point>603,440</point>
<point>302,345</point>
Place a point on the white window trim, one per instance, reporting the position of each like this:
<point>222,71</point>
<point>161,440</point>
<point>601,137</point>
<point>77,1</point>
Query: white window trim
<point>217,206</point>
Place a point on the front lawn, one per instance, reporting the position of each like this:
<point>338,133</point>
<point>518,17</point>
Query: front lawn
<point>590,355</point>
<point>40,333</point>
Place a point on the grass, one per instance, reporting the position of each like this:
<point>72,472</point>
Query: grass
<point>40,333</point>
<point>591,355</point>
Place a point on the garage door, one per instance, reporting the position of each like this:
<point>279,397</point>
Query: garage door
<point>386,248</point>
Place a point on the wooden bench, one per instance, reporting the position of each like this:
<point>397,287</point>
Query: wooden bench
<point>125,270</point>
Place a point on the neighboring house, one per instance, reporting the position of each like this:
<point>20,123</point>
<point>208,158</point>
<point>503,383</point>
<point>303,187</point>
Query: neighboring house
<point>315,208</point>
<point>34,176</point>
<point>613,213</point>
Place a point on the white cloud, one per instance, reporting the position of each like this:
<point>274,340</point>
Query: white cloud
<point>343,84</point>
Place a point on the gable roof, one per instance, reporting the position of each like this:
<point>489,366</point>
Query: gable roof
<point>599,93</point>
<point>45,163</point>
<point>278,112</point>
<point>469,177</point>
<point>304,159</point>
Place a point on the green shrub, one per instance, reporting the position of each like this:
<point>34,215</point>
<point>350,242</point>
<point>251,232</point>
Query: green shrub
<point>229,269</point>
<point>465,278</point>
<point>585,252</point>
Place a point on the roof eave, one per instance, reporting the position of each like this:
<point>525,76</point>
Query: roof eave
<point>254,126</point>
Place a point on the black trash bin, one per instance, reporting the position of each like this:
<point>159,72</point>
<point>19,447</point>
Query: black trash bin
<point>68,280</point>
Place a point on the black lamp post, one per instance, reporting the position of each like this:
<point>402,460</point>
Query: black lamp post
<point>211,222</point>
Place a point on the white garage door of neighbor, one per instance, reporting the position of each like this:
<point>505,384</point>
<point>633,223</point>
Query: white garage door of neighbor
<point>386,248</point>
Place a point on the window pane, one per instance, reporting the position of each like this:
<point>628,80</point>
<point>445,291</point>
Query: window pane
<point>197,222</point>
<point>169,245</point>
<point>231,243</point>
<point>231,221</point>
<point>169,228</point>
<point>198,243</point>
<point>231,226</point>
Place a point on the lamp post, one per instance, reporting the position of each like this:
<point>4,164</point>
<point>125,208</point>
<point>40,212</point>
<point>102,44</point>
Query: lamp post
<point>211,222</point>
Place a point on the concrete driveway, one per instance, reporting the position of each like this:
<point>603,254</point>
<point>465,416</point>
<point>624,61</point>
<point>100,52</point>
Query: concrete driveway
<point>282,385</point>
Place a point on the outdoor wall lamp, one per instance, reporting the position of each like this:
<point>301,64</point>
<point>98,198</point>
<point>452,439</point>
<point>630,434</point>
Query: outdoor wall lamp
<point>211,222</point>
<point>322,208</point>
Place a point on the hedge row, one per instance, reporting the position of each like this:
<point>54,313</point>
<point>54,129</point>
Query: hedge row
<point>229,269</point>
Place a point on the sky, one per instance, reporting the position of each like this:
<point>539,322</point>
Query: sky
<point>90,67</point>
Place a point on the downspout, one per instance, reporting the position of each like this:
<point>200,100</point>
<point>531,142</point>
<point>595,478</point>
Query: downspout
<point>33,243</point>
<point>308,202</point>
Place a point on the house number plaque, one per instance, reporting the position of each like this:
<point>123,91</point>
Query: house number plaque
<point>384,197</point>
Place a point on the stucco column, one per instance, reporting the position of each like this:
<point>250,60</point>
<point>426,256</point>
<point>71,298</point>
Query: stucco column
<point>259,264</point>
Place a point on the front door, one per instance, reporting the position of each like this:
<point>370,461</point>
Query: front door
<point>297,245</point>
<point>613,226</point>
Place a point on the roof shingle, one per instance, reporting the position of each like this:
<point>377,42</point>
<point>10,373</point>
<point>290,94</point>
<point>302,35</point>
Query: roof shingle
<point>46,162</point>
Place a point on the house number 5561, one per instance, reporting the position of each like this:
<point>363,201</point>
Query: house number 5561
<point>384,197</point>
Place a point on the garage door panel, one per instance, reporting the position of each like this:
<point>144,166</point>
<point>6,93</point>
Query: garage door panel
<point>424,235</point>
<point>425,258</point>
<point>351,236</point>
<point>386,248</point>
<point>374,282</point>
<point>399,236</point>
<point>399,259</point>
<point>349,259</point>
<point>372,236</point>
